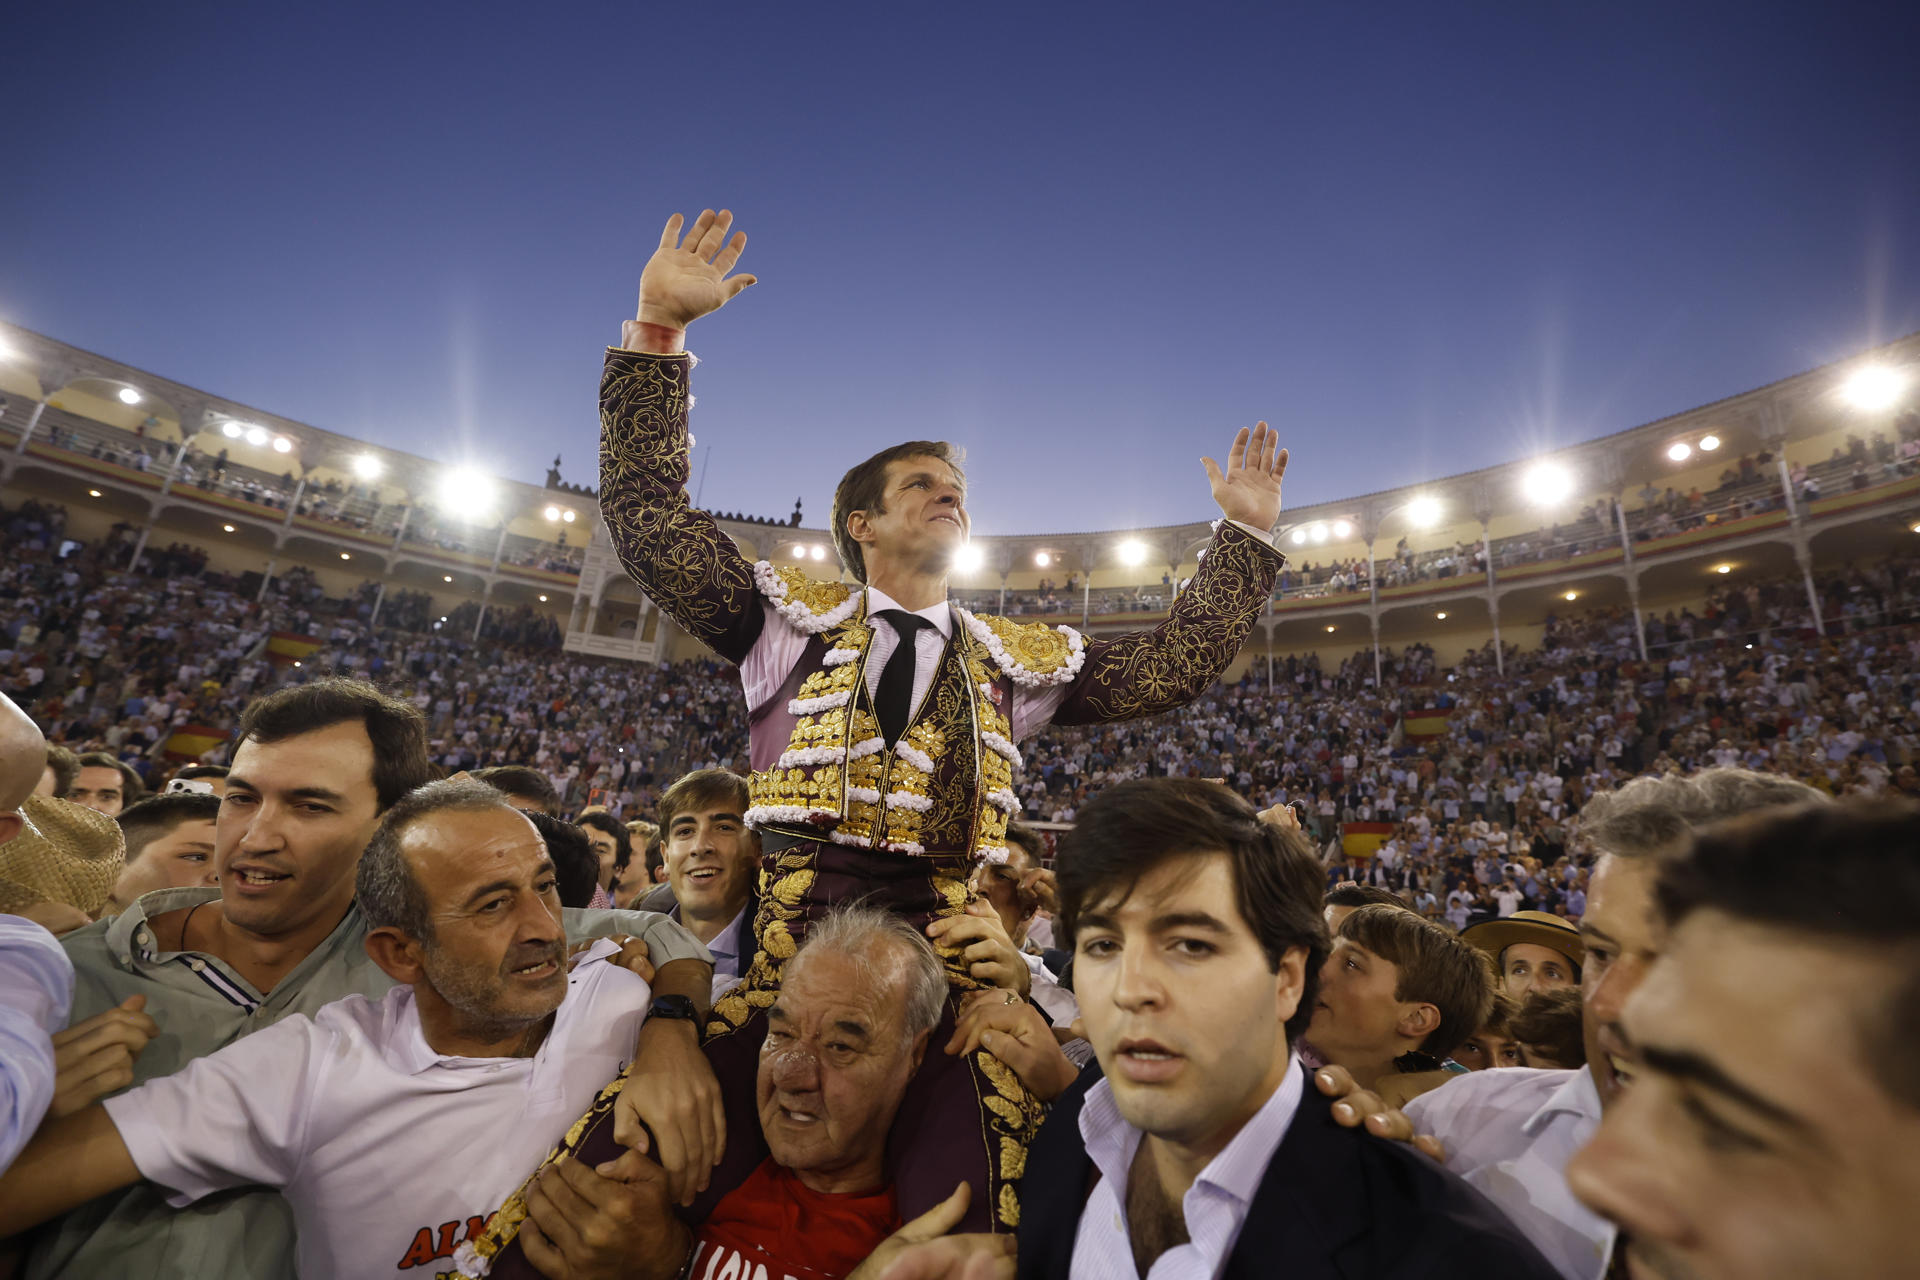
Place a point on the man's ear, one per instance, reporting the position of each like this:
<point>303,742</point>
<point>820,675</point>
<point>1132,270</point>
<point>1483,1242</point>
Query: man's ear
<point>920,1047</point>
<point>1418,1021</point>
<point>859,527</point>
<point>397,954</point>
<point>1290,982</point>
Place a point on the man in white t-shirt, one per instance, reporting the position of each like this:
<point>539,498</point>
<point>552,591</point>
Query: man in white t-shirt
<point>392,1126</point>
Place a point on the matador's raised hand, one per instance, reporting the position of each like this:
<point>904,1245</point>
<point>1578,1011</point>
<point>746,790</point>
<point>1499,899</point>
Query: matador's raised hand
<point>685,280</point>
<point>1249,489</point>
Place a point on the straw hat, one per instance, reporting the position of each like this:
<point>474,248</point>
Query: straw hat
<point>1537,927</point>
<point>64,853</point>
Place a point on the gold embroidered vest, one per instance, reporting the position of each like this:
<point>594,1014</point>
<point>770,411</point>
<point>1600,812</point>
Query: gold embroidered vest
<point>946,787</point>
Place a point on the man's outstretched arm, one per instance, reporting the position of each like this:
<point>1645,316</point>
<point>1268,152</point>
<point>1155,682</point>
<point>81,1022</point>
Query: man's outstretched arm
<point>70,1161</point>
<point>1147,672</point>
<point>674,550</point>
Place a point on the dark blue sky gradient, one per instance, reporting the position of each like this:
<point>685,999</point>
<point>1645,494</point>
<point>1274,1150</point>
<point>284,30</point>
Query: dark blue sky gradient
<point>1087,242</point>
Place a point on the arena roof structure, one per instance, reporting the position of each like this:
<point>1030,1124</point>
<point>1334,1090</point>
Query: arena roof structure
<point>1822,463</point>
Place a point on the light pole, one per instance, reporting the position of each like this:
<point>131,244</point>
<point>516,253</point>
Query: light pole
<point>1423,512</point>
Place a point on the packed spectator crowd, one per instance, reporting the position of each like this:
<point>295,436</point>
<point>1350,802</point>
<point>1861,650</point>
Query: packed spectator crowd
<point>1514,877</point>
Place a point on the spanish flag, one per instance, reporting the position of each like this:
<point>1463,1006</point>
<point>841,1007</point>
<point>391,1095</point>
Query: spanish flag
<point>284,647</point>
<point>191,741</point>
<point>1430,723</point>
<point>1360,839</point>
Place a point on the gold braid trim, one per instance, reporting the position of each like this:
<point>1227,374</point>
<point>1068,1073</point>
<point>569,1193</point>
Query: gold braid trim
<point>504,1225</point>
<point>1011,1117</point>
<point>1146,672</point>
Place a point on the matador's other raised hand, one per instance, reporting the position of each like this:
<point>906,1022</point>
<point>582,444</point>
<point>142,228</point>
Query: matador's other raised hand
<point>1249,489</point>
<point>686,279</point>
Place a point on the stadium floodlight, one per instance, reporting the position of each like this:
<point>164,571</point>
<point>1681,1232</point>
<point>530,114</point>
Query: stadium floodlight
<point>968,558</point>
<point>543,599</point>
<point>346,555</point>
<point>1547,483</point>
<point>1442,615</point>
<point>467,492</point>
<point>799,552</point>
<point>282,445</point>
<point>1679,451</point>
<point>231,430</point>
<point>1318,533</point>
<point>227,527</point>
<point>257,436</point>
<point>129,396</point>
<point>1329,627</point>
<point>7,352</point>
<point>1299,537</point>
<point>1573,595</point>
<point>1709,443</point>
<point>446,577</point>
<point>819,552</point>
<point>566,517</point>
<point>1342,529</point>
<point>1133,552</point>
<point>1723,568</point>
<point>552,514</point>
<point>94,493</point>
<point>367,467</point>
<point>1042,559</point>
<point>1915,526</point>
<point>1877,386</point>
<point>1424,511</point>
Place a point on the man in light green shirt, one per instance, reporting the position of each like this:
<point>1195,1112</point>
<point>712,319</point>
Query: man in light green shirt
<point>314,768</point>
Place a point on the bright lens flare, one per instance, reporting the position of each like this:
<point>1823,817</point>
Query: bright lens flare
<point>1424,512</point>
<point>1547,483</point>
<point>1133,552</point>
<point>968,558</point>
<point>1679,451</point>
<point>1875,387</point>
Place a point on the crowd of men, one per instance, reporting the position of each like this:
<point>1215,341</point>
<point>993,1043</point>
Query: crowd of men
<point>387,1033</point>
<point>1521,896</point>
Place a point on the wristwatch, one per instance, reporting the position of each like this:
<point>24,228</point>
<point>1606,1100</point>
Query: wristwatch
<point>680,1007</point>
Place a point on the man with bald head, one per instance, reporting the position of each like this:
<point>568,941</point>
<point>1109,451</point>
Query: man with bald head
<point>36,978</point>
<point>23,758</point>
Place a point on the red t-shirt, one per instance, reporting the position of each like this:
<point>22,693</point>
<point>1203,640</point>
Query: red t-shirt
<point>771,1227</point>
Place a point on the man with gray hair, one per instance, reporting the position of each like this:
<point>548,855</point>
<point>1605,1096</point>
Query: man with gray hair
<point>849,1027</point>
<point>391,1125</point>
<point>1512,1132</point>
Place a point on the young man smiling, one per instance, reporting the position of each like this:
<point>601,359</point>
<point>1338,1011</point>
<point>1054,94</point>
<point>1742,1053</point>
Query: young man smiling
<point>1198,946</point>
<point>712,861</point>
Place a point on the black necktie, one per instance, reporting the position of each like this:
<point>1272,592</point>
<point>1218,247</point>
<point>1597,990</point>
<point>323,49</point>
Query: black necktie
<point>894,704</point>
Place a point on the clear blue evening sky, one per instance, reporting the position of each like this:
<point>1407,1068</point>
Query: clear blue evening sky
<point>1086,241</point>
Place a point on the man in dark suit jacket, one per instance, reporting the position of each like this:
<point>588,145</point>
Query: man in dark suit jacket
<point>1198,1138</point>
<point>1333,1202</point>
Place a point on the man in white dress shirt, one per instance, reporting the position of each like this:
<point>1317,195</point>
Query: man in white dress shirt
<point>392,1126</point>
<point>1511,1132</point>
